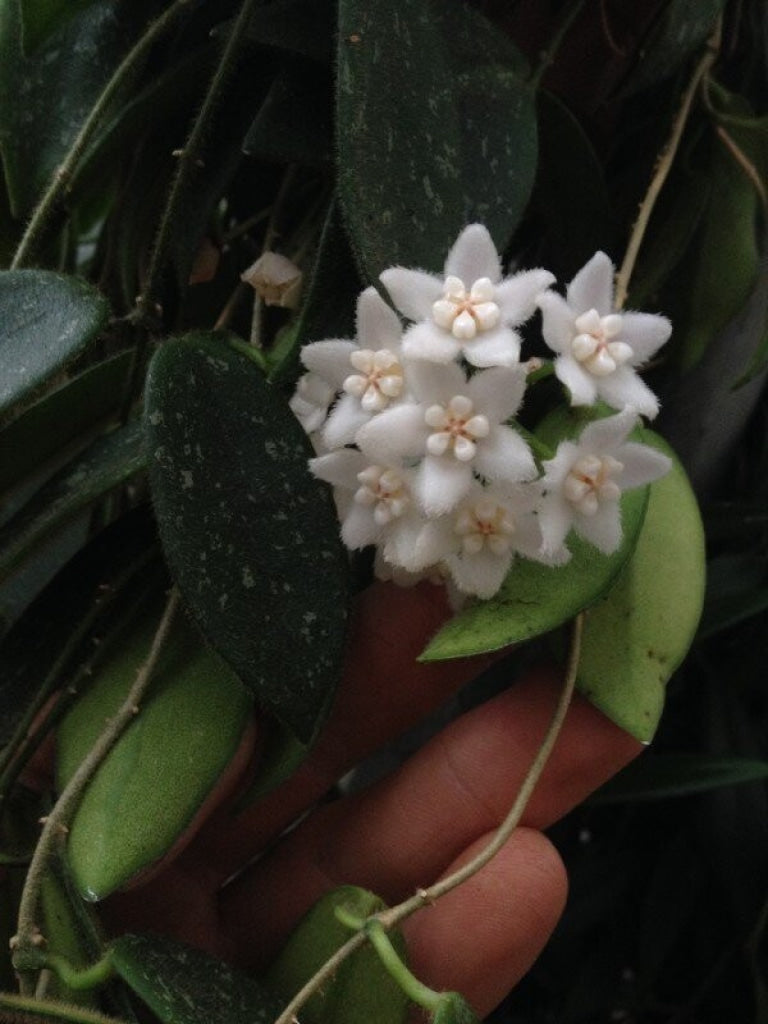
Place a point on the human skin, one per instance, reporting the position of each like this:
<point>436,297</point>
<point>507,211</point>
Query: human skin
<point>403,833</point>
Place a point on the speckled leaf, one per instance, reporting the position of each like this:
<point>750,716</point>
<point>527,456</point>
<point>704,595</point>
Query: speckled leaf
<point>46,319</point>
<point>155,779</point>
<point>105,464</point>
<point>361,989</point>
<point>182,985</point>
<point>421,145</point>
<point>251,537</point>
<point>635,639</point>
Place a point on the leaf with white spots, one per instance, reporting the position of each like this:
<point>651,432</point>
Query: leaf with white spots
<point>250,535</point>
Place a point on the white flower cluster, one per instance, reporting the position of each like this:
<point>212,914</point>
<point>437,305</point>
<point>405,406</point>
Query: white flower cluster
<point>412,424</point>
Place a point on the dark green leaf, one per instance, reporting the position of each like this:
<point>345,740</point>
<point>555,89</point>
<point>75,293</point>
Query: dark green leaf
<point>635,639</point>
<point>42,18</point>
<point>46,320</point>
<point>305,27</point>
<point>60,417</point>
<point>660,776</point>
<point>454,1009</point>
<point>293,124</point>
<point>251,537</point>
<point>329,303</point>
<point>361,989</point>
<point>106,464</point>
<point>186,986</point>
<point>682,28</point>
<point>153,782</point>
<point>424,147</point>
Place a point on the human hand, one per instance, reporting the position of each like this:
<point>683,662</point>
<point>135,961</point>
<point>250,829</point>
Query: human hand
<point>435,812</point>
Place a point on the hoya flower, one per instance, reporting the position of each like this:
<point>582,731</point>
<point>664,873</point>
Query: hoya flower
<point>368,372</point>
<point>469,310</point>
<point>453,429</point>
<point>492,525</point>
<point>582,484</point>
<point>376,506</point>
<point>311,400</point>
<point>598,349</point>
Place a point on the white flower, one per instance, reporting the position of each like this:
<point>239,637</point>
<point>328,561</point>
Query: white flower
<point>311,400</point>
<point>368,372</point>
<point>582,484</point>
<point>455,427</point>
<point>275,279</point>
<point>492,525</point>
<point>597,347</point>
<point>469,310</point>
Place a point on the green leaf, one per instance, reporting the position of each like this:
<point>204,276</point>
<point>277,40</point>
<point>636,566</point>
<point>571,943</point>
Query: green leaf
<point>635,639</point>
<point>61,417</point>
<point>182,985</point>
<point>251,537</point>
<point>46,320</point>
<point>156,778</point>
<point>660,776</point>
<point>107,463</point>
<point>723,261</point>
<point>361,989</point>
<point>67,933</point>
<point>682,28</point>
<point>424,147</point>
<point>42,18</point>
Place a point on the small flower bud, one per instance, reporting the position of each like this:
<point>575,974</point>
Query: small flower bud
<point>275,279</point>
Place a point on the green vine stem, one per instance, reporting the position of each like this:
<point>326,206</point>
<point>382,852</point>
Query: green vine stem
<point>664,165</point>
<point>26,943</point>
<point>41,1011</point>
<point>388,919</point>
<point>62,176</point>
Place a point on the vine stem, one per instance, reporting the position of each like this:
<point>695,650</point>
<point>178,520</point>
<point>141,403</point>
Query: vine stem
<point>42,1010</point>
<point>388,919</point>
<point>188,161</point>
<point>63,174</point>
<point>26,942</point>
<point>664,166</point>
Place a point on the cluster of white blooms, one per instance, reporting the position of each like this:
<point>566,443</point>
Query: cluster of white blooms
<point>414,424</point>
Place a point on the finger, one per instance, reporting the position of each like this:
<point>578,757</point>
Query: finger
<point>384,691</point>
<point>402,833</point>
<point>482,937</point>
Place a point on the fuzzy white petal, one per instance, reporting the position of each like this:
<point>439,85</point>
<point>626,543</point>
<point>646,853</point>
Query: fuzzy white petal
<point>395,433</point>
<point>497,347</point>
<point>378,326</point>
<point>344,421</point>
<point>440,483</point>
<point>339,468</point>
<point>359,528</point>
<point>645,333</point>
<point>592,287</point>
<point>555,520</point>
<point>329,359</point>
<point>603,436</point>
<point>581,385</point>
<point>557,324</point>
<point>473,256</point>
<point>412,291</point>
<point>429,342</point>
<point>435,382</point>
<point>498,392</point>
<point>603,529</point>
<point>504,455</point>
<point>642,464</point>
<point>481,574</point>
<point>623,387</point>
<point>517,295</point>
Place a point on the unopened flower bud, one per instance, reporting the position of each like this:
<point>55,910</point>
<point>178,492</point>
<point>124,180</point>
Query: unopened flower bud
<point>276,280</point>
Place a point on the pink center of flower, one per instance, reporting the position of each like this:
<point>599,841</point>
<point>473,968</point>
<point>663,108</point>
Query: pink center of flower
<point>456,428</point>
<point>379,378</point>
<point>596,345</point>
<point>465,313</point>
<point>589,482</point>
<point>384,490</point>
<point>485,524</point>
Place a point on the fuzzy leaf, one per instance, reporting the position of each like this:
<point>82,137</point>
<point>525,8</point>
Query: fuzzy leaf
<point>422,146</point>
<point>46,320</point>
<point>361,989</point>
<point>251,537</point>
<point>107,463</point>
<point>153,782</point>
<point>635,639</point>
<point>182,985</point>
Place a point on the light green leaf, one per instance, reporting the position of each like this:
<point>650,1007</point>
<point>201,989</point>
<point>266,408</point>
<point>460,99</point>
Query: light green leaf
<point>107,463</point>
<point>182,985</point>
<point>361,989</point>
<point>635,639</point>
<point>251,537</point>
<point>454,1009</point>
<point>46,319</point>
<point>150,786</point>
